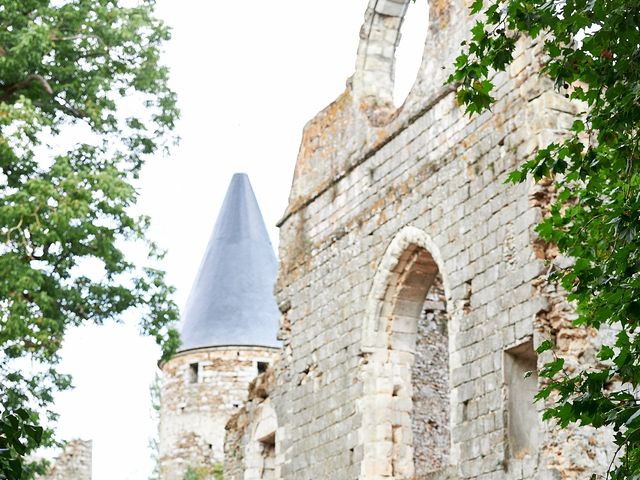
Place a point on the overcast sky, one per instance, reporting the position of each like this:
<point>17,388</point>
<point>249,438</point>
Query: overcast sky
<point>249,74</point>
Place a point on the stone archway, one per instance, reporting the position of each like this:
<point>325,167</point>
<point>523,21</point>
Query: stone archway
<point>405,405</point>
<point>375,74</point>
<point>379,38</point>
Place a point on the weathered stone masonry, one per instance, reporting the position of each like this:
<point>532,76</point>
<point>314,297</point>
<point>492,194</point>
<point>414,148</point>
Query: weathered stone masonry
<point>387,202</point>
<point>201,389</point>
<point>73,463</point>
<point>252,442</point>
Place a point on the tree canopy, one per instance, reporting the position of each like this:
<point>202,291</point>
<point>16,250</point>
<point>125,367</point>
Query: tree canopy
<point>65,216</point>
<point>591,49</point>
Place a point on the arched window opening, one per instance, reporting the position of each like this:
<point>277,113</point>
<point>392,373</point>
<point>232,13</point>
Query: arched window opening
<point>390,54</point>
<point>430,382</point>
<point>405,405</point>
<point>408,55</point>
<point>419,356</point>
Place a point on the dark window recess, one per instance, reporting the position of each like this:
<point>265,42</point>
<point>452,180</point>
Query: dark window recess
<point>193,373</point>
<point>262,366</point>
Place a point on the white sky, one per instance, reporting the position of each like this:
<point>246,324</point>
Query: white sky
<point>249,74</point>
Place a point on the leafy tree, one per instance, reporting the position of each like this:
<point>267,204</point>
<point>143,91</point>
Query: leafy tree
<point>66,63</point>
<point>592,50</point>
<point>18,436</point>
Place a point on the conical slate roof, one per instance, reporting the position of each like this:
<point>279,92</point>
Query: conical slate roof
<point>231,301</point>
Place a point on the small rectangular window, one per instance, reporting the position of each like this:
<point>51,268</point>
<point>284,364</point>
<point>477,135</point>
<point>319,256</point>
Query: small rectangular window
<point>522,413</point>
<point>193,372</point>
<point>262,366</point>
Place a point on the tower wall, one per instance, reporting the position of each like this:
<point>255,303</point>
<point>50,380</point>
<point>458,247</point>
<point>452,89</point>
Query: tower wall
<point>200,391</point>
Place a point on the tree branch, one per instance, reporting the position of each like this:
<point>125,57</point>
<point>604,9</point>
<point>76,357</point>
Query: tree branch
<point>74,112</point>
<point>9,90</point>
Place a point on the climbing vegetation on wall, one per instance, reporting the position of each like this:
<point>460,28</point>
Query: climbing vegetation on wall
<point>213,472</point>
<point>591,50</point>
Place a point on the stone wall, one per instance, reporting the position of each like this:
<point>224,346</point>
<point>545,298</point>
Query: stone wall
<point>73,463</point>
<point>384,202</point>
<point>200,391</point>
<point>252,441</point>
<point>430,384</point>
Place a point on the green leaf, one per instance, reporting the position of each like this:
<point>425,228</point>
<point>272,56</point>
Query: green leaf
<point>632,419</point>
<point>606,353</point>
<point>476,6</point>
<point>478,31</point>
<point>578,126</point>
<point>550,369</point>
<point>544,346</point>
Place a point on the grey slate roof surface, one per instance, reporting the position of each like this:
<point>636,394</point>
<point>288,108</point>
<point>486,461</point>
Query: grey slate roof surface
<point>231,301</point>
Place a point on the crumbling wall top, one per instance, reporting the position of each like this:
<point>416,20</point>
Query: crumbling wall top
<point>364,117</point>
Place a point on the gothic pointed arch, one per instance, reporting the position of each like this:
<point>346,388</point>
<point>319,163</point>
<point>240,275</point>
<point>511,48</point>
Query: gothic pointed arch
<point>405,405</point>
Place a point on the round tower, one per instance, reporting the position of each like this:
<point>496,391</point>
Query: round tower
<point>228,334</point>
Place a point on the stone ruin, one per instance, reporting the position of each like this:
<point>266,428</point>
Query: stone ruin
<point>73,462</point>
<point>411,293</point>
<point>412,286</point>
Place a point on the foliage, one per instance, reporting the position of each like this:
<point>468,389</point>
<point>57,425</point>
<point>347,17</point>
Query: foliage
<point>65,214</point>
<point>19,435</point>
<point>592,52</point>
<point>213,472</point>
